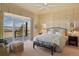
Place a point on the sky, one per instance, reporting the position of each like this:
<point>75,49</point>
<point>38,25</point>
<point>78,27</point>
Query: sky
<point>8,21</point>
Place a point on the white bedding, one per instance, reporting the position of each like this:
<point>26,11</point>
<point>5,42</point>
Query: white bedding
<point>44,37</point>
<point>49,37</point>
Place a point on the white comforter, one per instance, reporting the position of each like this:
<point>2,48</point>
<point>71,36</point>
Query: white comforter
<point>49,37</point>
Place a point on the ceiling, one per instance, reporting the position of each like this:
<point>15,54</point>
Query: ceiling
<point>40,8</point>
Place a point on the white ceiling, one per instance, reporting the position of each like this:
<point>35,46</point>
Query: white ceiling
<point>40,8</point>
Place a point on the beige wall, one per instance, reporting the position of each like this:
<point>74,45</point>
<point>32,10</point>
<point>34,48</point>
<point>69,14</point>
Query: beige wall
<point>36,24</point>
<point>61,16</point>
<point>12,8</point>
<point>1,26</point>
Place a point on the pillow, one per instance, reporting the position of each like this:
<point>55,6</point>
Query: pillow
<point>49,32</point>
<point>58,33</point>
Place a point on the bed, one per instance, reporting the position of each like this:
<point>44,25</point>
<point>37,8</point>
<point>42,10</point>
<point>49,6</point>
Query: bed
<point>53,39</point>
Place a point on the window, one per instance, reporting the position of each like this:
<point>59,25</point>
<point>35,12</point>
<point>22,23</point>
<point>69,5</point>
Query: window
<point>16,27</point>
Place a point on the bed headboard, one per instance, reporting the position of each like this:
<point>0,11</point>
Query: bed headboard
<point>57,29</point>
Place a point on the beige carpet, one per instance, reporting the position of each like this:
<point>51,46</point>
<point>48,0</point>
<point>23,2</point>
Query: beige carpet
<point>38,51</point>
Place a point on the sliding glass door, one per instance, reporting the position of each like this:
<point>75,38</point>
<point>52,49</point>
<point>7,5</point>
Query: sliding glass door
<point>8,27</point>
<point>20,28</point>
<point>16,27</point>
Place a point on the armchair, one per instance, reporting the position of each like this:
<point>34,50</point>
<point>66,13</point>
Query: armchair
<point>3,50</point>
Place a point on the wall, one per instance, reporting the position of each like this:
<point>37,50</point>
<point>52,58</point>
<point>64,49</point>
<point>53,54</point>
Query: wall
<point>1,26</point>
<point>12,8</point>
<point>61,16</point>
<point>36,25</point>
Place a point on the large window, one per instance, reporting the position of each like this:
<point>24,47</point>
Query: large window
<point>16,27</point>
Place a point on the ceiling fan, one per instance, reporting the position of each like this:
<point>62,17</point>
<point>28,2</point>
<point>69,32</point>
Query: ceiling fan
<point>44,6</point>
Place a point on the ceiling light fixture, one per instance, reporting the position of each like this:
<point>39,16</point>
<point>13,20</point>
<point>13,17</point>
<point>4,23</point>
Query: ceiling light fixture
<point>45,4</point>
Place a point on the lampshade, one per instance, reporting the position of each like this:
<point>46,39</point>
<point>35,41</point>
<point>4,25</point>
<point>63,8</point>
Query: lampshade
<point>44,26</point>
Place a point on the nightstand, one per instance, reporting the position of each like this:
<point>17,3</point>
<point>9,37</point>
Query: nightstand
<point>73,40</point>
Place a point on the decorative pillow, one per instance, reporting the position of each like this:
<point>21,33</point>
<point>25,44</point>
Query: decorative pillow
<point>50,32</point>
